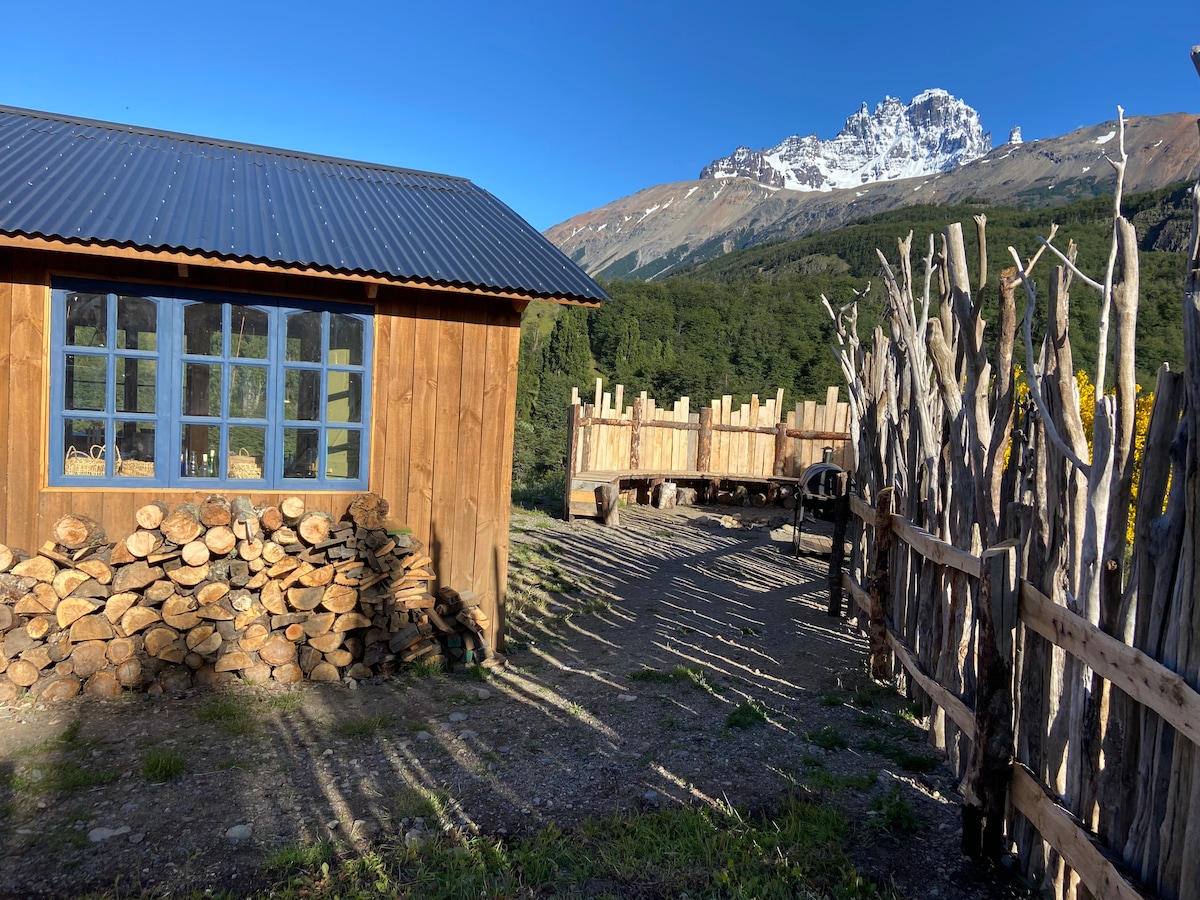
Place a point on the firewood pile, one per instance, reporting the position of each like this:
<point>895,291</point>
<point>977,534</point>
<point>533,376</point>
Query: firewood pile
<point>220,590</point>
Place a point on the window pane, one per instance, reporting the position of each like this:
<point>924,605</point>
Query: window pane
<point>136,379</point>
<point>85,382</point>
<point>199,455</point>
<point>137,323</point>
<point>345,340</point>
<point>135,443</point>
<point>302,395</point>
<point>201,389</point>
<point>202,329</point>
<point>248,333</point>
<point>247,445</point>
<point>304,337</point>
<point>300,450</point>
<point>247,392</point>
<point>87,320</point>
<point>343,455</point>
<point>83,447</point>
<point>345,397</point>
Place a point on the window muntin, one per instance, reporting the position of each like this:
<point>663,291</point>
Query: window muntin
<point>262,394</point>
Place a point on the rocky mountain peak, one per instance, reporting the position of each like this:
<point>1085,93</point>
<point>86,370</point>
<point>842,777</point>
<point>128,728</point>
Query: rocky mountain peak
<point>933,133</point>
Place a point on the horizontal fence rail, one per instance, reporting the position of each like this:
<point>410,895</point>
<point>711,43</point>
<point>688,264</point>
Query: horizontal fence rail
<point>1141,677</point>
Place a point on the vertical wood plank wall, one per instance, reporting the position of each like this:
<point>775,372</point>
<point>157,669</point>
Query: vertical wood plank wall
<point>443,414</point>
<point>666,450</point>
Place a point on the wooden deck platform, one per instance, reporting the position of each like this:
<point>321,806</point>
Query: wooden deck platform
<point>590,491</point>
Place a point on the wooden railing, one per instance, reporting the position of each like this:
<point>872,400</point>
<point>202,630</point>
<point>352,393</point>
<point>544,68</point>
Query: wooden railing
<point>1026,611</point>
<point>609,443</point>
<point>756,439</point>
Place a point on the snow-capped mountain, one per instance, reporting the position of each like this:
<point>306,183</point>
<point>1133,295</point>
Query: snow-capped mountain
<point>934,133</point>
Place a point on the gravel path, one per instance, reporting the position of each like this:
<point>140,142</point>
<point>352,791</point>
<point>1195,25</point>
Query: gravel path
<point>87,800</point>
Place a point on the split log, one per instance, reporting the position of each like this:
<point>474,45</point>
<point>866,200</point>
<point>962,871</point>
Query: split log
<point>67,580</point>
<point>36,567</point>
<point>76,531</point>
<point>59,689</point>
<point>291,508</point>
<point>220,540</point>
<point>141,544</point>
<point>97,568</point>
<point>89,658</point>
<point>151,515</point>
<point>73,609</point>
<point>271,518</point>
<point>215,510</point>
<point>195,553</point>
<point>369,511</point>
<point>314,526</point>
<point>182,525</point>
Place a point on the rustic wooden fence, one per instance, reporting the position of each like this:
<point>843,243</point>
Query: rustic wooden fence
<point>1059,662</point>
<point>609,442</point>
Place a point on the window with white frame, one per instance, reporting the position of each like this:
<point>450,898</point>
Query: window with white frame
<point>172,388</point>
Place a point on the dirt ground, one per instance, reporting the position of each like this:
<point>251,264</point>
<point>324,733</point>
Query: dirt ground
<point>92,799</point>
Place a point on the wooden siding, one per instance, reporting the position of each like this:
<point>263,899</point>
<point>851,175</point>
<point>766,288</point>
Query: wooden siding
<point>443,406</point>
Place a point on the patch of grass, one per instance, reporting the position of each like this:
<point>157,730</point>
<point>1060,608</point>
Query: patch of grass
<point>911,712</point>
<point>867,696</point>
<point>698,678</point>
<point>863,782</point>
<point>828,738</point>
<point>286,703</point>
<point>595,606</point>
<point>746,714</point>
<point>872,720</point>
<point>419,803</point>
<point>295,857</point>
<point>831,699</point>
<point>795,851</point>
<point>685,629</point>
<point>918,763</point>
<point>231,714</point>
<point>362,727</point>
<point>426,667</point>
<point>894,812</point>
<point>479,673</point>
<point>61,776</point>
<point>163,764</point>
<point>750,632</point>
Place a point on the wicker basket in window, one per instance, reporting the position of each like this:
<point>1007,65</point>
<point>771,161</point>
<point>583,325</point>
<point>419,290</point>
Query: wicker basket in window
<point>79,463</point>
<point>243,465</point>
<point>134,468</point>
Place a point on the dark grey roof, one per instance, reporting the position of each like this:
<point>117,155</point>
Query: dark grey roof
<point>98,182</point>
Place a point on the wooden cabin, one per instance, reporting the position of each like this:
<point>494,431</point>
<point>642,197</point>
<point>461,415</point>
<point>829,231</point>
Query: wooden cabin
<point>181,316</point>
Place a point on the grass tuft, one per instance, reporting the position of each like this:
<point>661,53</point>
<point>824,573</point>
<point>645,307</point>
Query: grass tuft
<point>231,714</point>
<point>163,764</point>
<point>363,726</point>
<point>747,714</point>
<point>828,738</point>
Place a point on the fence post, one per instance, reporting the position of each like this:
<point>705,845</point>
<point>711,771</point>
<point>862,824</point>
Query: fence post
<point>881,586</point>
<point>781,439</point>
<point>635,436</point>
<point>837,552</point>
<point>989,770</point>
<point>704,443</point>
<point>572,436</point>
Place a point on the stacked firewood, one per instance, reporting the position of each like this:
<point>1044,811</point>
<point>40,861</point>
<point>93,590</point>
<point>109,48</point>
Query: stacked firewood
<point>214,591</point>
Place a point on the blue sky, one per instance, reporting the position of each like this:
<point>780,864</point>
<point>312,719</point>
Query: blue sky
<point>560,107</point>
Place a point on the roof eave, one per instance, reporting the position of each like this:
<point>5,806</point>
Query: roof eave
<point>371,280</point>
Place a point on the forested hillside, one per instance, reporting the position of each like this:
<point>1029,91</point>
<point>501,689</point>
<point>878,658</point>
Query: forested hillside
<point>752,321</point>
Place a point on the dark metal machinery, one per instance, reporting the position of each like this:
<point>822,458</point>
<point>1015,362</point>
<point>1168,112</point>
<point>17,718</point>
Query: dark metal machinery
<point>816,494</point>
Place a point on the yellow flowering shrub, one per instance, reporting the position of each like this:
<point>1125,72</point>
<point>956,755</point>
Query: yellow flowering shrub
<point>1087,412</point>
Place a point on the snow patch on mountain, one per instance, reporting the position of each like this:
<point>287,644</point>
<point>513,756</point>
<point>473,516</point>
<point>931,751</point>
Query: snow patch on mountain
<point>934,133</point>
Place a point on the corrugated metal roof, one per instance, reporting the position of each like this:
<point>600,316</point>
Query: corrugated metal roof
<point>100,182</point>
